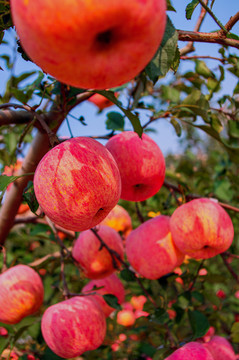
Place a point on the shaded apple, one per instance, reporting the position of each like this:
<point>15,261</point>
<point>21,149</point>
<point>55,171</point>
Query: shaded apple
<point>96,261</point>
<point>201,228</point>
<point>150,249</point>
<point>191,351</point>
<point>120,220</point>
<point>73,326</point>
<point>109,285</point>
<point>77,183</point>
<point>90,44</point>
<point>21,293</point>
<point>141,165</point>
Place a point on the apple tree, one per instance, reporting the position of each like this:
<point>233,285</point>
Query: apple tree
<point>190,304</point>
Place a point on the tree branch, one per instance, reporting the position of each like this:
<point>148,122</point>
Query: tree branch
<point>215,38</point>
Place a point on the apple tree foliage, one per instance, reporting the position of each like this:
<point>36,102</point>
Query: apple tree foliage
<point>206,121</point>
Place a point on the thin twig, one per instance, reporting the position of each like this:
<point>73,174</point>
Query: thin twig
<point>196,276</point>
<point>210,12</point>
<point>224,258</point>
<point>202,57</point>
<point>139,214</point>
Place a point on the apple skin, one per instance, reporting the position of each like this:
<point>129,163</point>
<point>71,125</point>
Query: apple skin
<point>120,220</point>
<point>21,293</point>
<point>73,326</point>
<point>79,47</point>
<point>141,165</point>
<point>150,249</point>
<point>220,348</point>
<point>77,183</point>
<point>201,228</point>
<point>110,285</point>
<point>97,263</point>
<point>191,351</point>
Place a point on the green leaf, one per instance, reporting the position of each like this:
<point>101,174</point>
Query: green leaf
<point>147,349</point>
<point>3,344</point>
<point>131,116</point>
<point>127,275</point>
<point>112,301</point>
<point>30,197</point>
<point>176,125</point>
<point>199,323</point>
<point>6,180</point>
<point>202,69</point>
<point>160,316</point>
<point>170,6</point>
<point>234,128</point>
<point>50,355</point>
<point>196,103</point>
<point>165,56</point>
<point>115,121</point>
<point>190,8</point>
<point>235,332</point>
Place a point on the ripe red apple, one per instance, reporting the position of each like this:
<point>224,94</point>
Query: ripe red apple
<point>90,44</point>
<point>220,348</point>
<point>120,220</point>
<point>21,293</point>
<point>150,249</point>
<point>201,228</point>
<point>109,285</point>
<point>141,165</point>
<point>100,101</point>
<point>73,326</point>
<point>191,351</point>
<point>77,183</point>
<point>138,302</point>
<point>97,262</point>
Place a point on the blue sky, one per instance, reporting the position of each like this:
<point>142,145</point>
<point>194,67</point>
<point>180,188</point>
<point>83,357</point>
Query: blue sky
<point>165,137</point>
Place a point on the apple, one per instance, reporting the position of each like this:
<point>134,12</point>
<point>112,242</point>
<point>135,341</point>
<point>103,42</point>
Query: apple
<point>90,44</point>
<point>73,326</point>
<point>77,183</point>
<point>150,249</point>
<point>97,262</point>
<point>191,351</point>
<point>120,220</point>
<point>21,293</point>
<point>220,348</point>
<point>100,101</point>
<point>126,317</point>
<point>109,285</point>
<point>141,165</point>
<point>201,228</point>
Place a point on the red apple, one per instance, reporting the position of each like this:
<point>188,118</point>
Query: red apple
<point>21,293</point>
<point>73,326</point>
<point>138,302</point>
<point>191,351</point>
<point>100,101</point>
<point>201,228</point>
<point>77,183</point>
<point>220,348</point>
<point>109,285</point>
<point>141,165</point>
<point>97,262</point>
<point>120,220</point>
<point>150,249</point>
<point>90,44</point>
